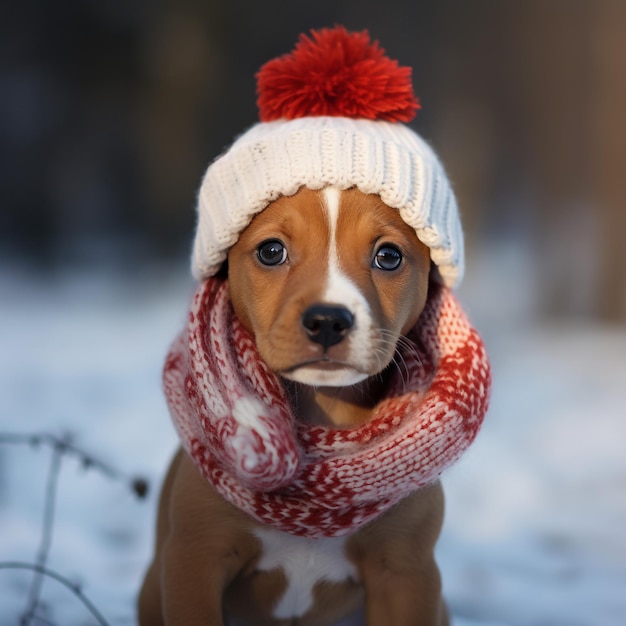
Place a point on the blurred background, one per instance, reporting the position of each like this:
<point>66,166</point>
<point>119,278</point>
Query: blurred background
<point>111,111</point>
<point>109,114</point>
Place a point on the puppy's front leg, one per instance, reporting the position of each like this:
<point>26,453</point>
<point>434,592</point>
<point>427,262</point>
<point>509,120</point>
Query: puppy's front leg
<point>192,590</point>
<point>395,558</point>
<point>403,598</point>
<point>208,544</point>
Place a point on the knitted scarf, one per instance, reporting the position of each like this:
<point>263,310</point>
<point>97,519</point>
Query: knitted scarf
<point>235,420</point>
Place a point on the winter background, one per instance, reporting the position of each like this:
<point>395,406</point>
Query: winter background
<point>109,115</point>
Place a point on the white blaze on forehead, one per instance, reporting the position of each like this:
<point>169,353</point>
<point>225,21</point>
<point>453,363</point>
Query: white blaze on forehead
<point>340,289</point>
<point>337,283</point>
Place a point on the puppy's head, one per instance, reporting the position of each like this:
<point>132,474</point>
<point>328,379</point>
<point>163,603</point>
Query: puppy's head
<point>327,282</point>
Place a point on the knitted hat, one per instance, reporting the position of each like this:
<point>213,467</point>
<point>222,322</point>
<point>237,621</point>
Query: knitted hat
<point>331,113</point>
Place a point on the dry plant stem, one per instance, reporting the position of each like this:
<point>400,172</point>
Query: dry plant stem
<point>75,589</point>
<point>46,534</point>
<point>61,446</point>
<point>68,448</point>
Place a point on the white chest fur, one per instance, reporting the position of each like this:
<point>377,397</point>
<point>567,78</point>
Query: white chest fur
<point>305,563</point>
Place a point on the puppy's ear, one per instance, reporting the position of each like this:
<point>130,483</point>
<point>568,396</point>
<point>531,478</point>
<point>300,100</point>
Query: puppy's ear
<point>223,271</point>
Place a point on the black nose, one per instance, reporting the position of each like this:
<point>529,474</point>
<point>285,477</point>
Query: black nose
<point>327,324</point>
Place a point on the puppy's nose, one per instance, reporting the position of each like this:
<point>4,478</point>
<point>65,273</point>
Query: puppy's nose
<point>327,324</point>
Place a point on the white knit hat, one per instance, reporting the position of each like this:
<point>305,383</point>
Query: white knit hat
<point>332,114</point>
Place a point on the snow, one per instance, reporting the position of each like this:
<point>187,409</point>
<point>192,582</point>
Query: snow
<point>536,510</point>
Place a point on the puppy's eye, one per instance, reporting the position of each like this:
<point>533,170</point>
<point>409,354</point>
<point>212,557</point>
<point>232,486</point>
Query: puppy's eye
<point>272,252</point>
<point>387,258</point>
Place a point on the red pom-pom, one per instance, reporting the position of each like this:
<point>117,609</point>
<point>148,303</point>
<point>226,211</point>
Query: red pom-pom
<point>336,73</point>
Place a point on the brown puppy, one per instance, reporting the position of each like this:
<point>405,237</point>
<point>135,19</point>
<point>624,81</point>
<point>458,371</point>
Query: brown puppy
<point>327,282</point>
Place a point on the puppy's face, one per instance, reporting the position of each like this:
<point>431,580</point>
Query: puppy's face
<point>327,282</point>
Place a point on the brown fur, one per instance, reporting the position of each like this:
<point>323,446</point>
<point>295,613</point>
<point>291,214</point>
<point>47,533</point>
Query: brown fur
<point>206,552</point>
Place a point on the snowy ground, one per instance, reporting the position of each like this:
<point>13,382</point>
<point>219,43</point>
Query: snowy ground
<point>535,532</point>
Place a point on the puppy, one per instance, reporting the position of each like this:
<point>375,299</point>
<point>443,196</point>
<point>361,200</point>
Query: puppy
<point>328,283</point>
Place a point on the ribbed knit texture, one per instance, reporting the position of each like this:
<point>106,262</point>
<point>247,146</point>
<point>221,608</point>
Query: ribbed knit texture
<point>277,158</point>
<point>235,421</point>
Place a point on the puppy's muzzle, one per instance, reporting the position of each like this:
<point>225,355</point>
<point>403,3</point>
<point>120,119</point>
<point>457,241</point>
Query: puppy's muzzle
<point>327,324</point>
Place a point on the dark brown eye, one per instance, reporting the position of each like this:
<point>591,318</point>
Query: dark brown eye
<point>272,252</point>
<point>387,258</point>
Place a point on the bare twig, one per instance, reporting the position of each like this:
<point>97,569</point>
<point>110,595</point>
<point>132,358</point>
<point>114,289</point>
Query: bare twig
<point>46,533</point>
<point>61,446</point>
<point>138,485</point>
<point>75,589</point>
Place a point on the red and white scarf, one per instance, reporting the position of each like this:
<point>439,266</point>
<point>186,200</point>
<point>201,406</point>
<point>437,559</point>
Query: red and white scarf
<point>235,420</point>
